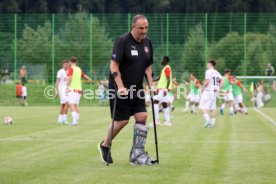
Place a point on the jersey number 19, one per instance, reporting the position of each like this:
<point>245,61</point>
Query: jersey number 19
<point>216,81</point>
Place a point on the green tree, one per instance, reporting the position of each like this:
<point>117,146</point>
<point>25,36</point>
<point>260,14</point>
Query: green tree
<point>229,52</point>
<point>35,45</point>
<point>74,40</point>
<point>193,57</point>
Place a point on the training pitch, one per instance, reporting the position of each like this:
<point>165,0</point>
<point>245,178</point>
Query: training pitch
<point>35,149</point>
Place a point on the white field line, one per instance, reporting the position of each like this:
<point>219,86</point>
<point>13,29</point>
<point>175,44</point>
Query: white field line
<point>266,116</point>
<point>120,140</point>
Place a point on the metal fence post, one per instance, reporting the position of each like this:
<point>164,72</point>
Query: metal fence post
<point>15,47</point>
<point>206,37</point>
<point>245,46</point>
<point>91,46</point>
<point>167,34</point>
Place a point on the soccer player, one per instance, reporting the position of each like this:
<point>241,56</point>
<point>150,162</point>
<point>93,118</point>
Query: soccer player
<point>18,88</point>
<point>162,96</point>
<point>188,97</point>
<point>61,84</point>
<point>227,92</point>
<point>194,92</point>
<point>74,89</point>
<point>24,95</point>
<point>23,75</point>
<point>211,85</point>
<point>131,59</point>
<point>171,94</point>
<point>237,93</point>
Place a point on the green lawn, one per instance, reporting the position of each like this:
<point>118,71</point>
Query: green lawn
<point>36,96</point>
<point>35,149</point>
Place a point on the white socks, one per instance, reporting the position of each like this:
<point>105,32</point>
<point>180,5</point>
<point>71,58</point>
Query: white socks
<point>213,121</point>
<point>167,114</point>
<point>60,117</point>
<point>64,117</point>
<point>187,104</point>
<point>194,108</point>
<point>74,117</point>
<point>156,112</point>
<point>231,110</point>
<point>206,117</point>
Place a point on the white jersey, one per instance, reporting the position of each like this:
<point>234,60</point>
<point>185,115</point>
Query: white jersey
<point>62,75</point>
<point>24,91</point>
<point>214,77</point>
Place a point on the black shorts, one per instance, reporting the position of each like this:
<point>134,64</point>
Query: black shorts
<point>127,107</point>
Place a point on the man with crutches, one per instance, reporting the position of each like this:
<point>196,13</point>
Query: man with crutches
<point>132,58</point>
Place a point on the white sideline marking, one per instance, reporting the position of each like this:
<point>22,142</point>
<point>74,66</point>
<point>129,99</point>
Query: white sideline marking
<point>266,116</point>
<point>120,140</point>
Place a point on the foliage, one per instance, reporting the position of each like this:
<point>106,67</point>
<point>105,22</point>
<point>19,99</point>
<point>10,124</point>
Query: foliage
<point>193,57</point>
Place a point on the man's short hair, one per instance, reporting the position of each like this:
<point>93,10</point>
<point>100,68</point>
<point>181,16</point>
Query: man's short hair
<point>227,70</point>
<point>73,59</point>
<point>213,62</point>
<point>192,74</point>
<point>166,58</point>
<point>137,17</point>
<point>64,61</point>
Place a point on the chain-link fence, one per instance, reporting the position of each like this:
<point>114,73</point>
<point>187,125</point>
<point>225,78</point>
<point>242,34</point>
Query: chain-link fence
<point>243,42</point>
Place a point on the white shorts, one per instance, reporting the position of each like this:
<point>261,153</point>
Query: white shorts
<point>228,96</point>
<point>63,96</point>
<point>189,96</point>
<point>161,97</point>
<point>171,98</point>
<point>238,99</point>
<point>74,98</point>
<point>195,98</point>
<point>208,100</point>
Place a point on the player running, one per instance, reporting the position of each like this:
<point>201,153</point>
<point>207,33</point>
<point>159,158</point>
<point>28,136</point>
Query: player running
<point>61,85</point>
<point>238,98</point>
<point>74,89</point>
<point>227,92</point>
<point>211,85</point>
<point>162,96</point>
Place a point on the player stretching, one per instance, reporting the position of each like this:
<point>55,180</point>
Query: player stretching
<point>61,84</point>
<point>227,92</point>
<point>212,83</point>
<point>74,89</point>
<point>163,88</point>
<point>238,98</point>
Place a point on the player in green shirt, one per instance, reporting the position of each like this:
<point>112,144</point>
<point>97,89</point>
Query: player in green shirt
<point>238,98</point>
<point>227,92</point>
<point>74,89</point>
<point>193,96</point>
<point>164,86</point>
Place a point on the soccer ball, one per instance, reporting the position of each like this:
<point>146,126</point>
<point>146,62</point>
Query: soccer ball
<point>7,120</point>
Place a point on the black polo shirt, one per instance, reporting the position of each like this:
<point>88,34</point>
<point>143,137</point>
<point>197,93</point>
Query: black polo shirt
<point>134,58</point>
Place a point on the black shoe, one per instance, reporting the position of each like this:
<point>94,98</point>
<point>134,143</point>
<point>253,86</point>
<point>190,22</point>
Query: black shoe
<point>173,107</point>
<point>104,153</point>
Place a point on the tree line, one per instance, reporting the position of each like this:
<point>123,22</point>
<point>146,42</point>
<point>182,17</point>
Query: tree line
<point>133,6</point>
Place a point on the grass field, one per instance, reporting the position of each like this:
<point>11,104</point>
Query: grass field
<point>35,149</point>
